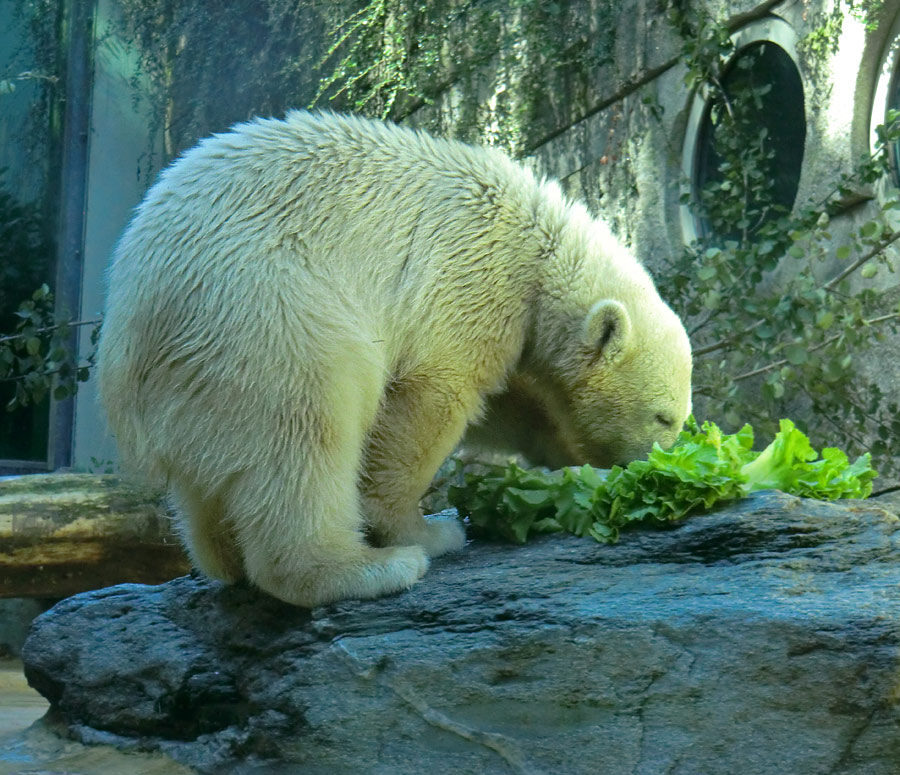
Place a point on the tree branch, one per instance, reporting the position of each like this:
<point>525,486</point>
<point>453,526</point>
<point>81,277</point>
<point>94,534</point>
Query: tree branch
<point>48,329</point>
<point>710,348</point>
<point>828,286</point>
<point>835,281</point>
<point>830,340</point>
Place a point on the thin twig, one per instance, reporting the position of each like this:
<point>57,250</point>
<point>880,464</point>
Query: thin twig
<point>48,329</point>
<point>29,75</point>
<point>725,342</point>
<point>830,420</point>
<point>834,281</point>
<point>830,340</point>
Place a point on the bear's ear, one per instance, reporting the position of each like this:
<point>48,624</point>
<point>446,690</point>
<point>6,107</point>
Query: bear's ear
<point>606,329</point>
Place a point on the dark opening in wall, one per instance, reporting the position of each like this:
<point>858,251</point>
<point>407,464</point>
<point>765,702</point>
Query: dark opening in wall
<point>766,76</point>
<point>894,104</point>
<point>744,145</point>
<point>885,104</point>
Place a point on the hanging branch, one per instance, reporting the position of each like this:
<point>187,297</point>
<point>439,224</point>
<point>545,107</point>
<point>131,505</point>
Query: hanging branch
<point>48,329</point>
<point>828,286</point>
<point>835,281</point>
<point>830,340</point>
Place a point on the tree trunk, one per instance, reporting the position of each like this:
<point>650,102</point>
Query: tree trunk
<point>66,533</point>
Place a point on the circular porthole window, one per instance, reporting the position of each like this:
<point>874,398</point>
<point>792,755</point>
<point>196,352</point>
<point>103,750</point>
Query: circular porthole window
<point>887,97</point>
<point>740,181</point>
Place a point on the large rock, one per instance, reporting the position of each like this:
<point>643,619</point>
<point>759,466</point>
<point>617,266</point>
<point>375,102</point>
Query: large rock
<point>763,638</point>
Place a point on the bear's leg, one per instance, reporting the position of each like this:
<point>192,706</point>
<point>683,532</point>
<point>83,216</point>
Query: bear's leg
<point>305,547</point>
<point>296,509</point>
<point>420,422</point>
<point>207,536</point>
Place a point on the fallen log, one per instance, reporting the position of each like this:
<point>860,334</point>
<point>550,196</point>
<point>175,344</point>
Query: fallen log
<point>61,534</point>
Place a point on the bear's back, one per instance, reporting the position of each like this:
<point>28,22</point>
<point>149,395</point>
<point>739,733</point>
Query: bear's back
<point>343,200</point>
<point>299,235</point>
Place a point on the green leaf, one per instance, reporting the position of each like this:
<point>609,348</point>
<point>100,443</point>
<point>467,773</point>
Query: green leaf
<point>871,231</point>
<point>712,300</point>
<point>796,354</point>
<point>825,319</point>
<point>604,533</point>
<point>530,497</point>
<point>789,464</point>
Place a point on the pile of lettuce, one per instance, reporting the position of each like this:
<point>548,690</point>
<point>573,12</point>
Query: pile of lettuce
<point>703,467</point>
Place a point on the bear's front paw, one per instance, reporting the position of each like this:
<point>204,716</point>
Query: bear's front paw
<point>443,535</point>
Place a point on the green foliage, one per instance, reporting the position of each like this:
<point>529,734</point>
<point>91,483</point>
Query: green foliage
<point>780,308</point>
<point>197,68</point>
<point>824,37</point>
<point>26,261</point>
<point>373,48</point>
<point>26,251</point>
<point>704,467</point>
<point>34,68</point>
<point>392,56</point>
<point>38,359</point>
<point>203,68</point>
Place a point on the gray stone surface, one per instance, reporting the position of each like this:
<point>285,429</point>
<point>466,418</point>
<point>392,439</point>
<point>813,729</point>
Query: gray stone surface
<point>763,638</point>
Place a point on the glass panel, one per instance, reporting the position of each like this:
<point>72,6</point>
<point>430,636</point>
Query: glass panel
<point>28,166</point>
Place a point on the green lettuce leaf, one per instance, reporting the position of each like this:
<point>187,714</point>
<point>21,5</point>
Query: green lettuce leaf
<point>703,467</point>
<point>790,464</point>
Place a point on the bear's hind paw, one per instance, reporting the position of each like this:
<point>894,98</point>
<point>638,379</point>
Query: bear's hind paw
<point>443,535</point>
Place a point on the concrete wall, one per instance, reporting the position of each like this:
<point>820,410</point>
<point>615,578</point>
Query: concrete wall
<point>625,160</point>
<point>120,169</point>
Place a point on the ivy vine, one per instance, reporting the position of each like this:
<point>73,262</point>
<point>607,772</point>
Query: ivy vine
<point>391,57</point>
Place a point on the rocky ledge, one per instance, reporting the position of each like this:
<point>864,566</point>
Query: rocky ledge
<point>763,638</point>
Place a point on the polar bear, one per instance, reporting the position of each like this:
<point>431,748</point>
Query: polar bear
<point>305,314</point>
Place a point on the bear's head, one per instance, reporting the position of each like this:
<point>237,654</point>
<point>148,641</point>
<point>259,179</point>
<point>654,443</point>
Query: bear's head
<point>621,383</point>
<point>633,387</point>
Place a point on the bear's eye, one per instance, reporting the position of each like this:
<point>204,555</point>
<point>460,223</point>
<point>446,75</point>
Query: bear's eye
<point>664,420</point>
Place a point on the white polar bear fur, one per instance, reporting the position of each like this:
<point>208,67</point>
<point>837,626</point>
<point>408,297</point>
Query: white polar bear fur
<point>304,316</point>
